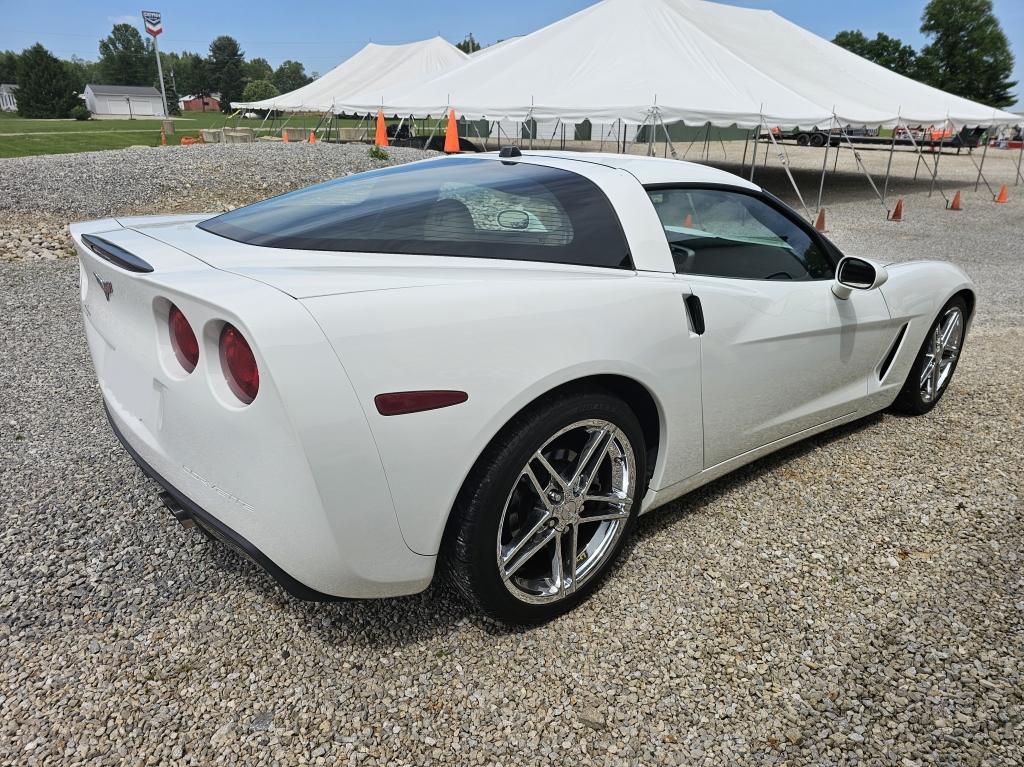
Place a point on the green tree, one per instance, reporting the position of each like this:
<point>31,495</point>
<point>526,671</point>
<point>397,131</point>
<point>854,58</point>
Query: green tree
<point>125,59</point>
<point>886,51</point>
<point>225,70</point>
<point>81,72</point>
<point>8,67</point>
<point>45,89</point>
<point>968,53</point>
<point>257,69</point>
<point>469,44</point>
<point>290,75</point>
<point>258,90</point>
<point>192,75</point>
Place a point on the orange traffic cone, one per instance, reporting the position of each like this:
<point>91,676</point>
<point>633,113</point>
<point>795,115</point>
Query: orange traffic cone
<point>163,137</point>
<point>897,214</point>
<point>955,205</point>
<point>688,223</point>
<point>381,139</point>
<point>451,136</point>
<point>1003,196</point>
<point>819,222</point>
<point>312,137</point>
<point>284,136</point>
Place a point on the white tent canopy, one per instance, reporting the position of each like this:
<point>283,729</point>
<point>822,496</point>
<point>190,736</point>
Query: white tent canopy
<point>676,60</point>
<point>372,71</point>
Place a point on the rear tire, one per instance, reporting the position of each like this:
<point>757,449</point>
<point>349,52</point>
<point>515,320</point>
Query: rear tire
<point>936,361</point>
<point>543,515</point>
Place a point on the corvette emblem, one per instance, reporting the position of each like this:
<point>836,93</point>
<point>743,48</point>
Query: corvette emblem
<point>105,286</point>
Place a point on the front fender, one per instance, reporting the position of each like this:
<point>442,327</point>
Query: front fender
<point>915,293</point>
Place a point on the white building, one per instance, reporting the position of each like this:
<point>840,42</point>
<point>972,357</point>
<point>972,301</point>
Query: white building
<point>123,101</point>
<point>8,102</point>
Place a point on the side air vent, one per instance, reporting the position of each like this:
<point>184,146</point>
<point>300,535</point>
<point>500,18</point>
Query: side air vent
<point>118,256</point>
<point>891,354</point>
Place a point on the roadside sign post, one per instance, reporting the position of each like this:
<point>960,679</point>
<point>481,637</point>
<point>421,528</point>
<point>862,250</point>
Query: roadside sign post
<point>154,26</point>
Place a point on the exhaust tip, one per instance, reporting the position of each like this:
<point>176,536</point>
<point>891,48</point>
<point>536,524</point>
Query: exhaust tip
<point>178,511</point>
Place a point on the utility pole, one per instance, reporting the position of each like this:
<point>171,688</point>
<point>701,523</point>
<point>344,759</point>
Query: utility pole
<point>154,26</point>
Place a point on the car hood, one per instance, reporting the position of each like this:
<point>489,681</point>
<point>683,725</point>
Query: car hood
<point>310,273</point>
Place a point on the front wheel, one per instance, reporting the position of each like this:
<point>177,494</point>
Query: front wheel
<point>545,512</point>
<point>936,362</point>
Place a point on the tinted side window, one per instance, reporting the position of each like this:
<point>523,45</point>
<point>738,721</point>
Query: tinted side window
<point>728,234</point>
<point>456,207</point>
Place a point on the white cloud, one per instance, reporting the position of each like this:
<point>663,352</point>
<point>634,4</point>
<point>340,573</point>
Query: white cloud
<point>124,18</point>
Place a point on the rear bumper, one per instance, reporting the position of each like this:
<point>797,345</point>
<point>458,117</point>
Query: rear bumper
<point>184,509</point>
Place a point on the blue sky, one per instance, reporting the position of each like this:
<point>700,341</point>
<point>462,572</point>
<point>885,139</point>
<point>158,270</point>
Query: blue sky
<point>322,34</point>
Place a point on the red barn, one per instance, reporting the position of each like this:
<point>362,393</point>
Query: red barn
<point>200,103</point>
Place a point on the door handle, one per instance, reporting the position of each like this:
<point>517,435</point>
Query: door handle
<point>696,314</point>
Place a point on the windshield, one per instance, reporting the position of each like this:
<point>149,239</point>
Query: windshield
<point>469,207</point>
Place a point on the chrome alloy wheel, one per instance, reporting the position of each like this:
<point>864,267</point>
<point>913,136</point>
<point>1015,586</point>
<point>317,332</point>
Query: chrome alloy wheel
<point>566,511</point>
<point>942,353</point>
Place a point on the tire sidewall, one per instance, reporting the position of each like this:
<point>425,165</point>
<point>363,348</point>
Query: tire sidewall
<point>488,503</point>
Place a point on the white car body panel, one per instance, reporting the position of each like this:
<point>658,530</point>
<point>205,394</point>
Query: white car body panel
<point>348,502</point>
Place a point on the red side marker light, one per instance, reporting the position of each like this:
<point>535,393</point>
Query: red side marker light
<point>403,402</point>
<point>239,364</point>
<point>183,340</point>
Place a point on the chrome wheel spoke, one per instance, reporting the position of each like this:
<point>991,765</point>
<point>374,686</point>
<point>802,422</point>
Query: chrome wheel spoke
<point>611,515</point>
<point>557,569</point>
<point>590,460</point>
<point>573,549</point>
<point>540,525</point>
<point>540,491</point>
<point>514,567</point>
<point>614,500</point>
<point>556,478</point>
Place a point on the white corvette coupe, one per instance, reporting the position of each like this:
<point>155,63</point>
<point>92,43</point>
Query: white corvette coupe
<point>495,362</point>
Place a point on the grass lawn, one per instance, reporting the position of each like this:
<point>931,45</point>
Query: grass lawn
<point>20,137</point>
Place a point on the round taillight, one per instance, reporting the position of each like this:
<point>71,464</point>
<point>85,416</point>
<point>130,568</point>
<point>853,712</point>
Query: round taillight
<point>183,340</point>
<point>239,364</point>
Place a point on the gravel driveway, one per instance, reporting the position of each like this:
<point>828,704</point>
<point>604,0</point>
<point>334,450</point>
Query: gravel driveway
<point>855,599</point>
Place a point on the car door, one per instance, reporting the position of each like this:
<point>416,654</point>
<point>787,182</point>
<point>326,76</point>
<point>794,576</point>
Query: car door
<point>780,353</point>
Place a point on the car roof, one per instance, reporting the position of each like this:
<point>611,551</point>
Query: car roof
<point>647,170</point>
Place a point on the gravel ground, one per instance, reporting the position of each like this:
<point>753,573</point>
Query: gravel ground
<point>39,196</point>
<point>855,599</point>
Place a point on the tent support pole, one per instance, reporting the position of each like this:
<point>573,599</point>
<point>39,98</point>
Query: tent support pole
<point>784,159</point>
<point>1020,157</point>
<point>863,167</point>
<point>558,124</point>
<point>984,152</point>
<point>690,146</point>
<point>477,129</point>
<point>824,163</point>
<point>433,132</point>
<point>938,156</point>
<point>746,146</point>
<point>753,155</point>
<point>669,146</point>
<point>919,148</point>
<point>705,151</point>
<point>892,148</point>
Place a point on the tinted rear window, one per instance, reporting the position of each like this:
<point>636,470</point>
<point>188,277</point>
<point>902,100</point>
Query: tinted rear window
<point>474,208</point>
